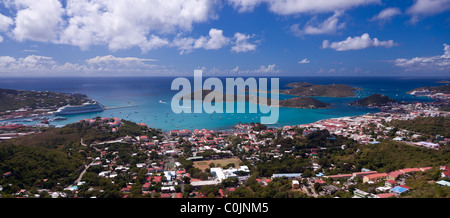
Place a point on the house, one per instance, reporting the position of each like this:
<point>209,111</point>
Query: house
<point>386,195</point>
<point>374,177</point>
<point>400,189</point>
<point>362,174</point>
<point>330,189</point>
<point>295,184</point>
<point>443,183</point>
<point>341,176</point>
<point>394,175</point>
<point>144,138</point>
<point>390,183</point>
<point>445,174</point>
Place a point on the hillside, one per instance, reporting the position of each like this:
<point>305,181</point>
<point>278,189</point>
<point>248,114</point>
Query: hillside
<point>16,99</point>
<point>299,102</point>
<point>375,100</point>
<point>55,155</point>
<point>426,125</point>
<point>434,89</point>
<point>304,102</point>
<point>308,89</point>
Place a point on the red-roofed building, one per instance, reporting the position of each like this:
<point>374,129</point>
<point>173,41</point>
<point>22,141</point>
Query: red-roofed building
<point>179,195</point>
<point>386,195</point>
<point>444,168</point>
<point>374,177</point>
<point>410,170</point>
<point>394,175</point>
<point>390,183</point>
<point>445,174</point>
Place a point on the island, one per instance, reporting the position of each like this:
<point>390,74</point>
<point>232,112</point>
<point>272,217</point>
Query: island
<point>308,89</point>
<point>375,100</point>
<point>298,102</point>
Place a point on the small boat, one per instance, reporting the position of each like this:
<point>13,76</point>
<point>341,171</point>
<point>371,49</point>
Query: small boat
<point>59,118</point>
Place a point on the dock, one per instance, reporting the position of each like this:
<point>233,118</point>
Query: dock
<point>111,108</point>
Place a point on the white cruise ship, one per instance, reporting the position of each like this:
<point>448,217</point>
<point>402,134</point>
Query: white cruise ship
<point>79,109</point>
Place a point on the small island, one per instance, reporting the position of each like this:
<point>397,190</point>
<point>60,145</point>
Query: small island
<point>375,100</point>
<point>299,102</point>
<point>304,102</point>
<point>308,89</point>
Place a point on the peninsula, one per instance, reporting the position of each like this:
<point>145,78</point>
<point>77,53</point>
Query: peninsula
<point>298,102</point>
<point>308,89</point>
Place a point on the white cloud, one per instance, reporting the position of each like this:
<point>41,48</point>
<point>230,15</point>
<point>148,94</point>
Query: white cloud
<point>37,20</point>
<point>215,40</point>
<point>122,25</point>
<point>111,63</point>
<point>241,44</point>
<point>312,27</point>
<point>35,65</point>
<point>386,14</point>
<point>423,8</point>
<point>118,24</point>
<point>357,43</point>
<point>304,61</point>
<point>5,22</point>
<point>289,7</point>
<point>434,63</point>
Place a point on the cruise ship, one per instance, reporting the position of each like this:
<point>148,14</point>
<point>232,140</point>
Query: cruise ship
<point>88,107</point>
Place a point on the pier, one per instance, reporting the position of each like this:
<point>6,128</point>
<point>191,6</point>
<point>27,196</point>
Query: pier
<point>111,108</point>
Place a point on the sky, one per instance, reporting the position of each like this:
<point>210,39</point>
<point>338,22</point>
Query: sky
<point>224,38</point>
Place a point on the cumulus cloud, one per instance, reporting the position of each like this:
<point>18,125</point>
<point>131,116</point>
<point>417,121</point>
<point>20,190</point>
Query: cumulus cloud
<point>117,24</point>
<point>312,27</point>
<point>358,43</point>
<point>304,61</point>
<point>433,63</point>
<point>122,25</point>
<point>215,40</point>
<point>289,7</point>
<point>34,64</point>
<point>241,43</point>
<point>423,8</point>
<point>42,65</point>
<point>37,20</point>
<point>5,23</point>
<point>386,14</point>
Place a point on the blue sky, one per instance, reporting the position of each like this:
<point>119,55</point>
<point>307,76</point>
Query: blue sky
<point>228,37</point>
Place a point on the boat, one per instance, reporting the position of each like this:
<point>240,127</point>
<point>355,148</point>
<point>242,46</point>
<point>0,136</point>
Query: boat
<point>58,118</point>
<point>88,107</point>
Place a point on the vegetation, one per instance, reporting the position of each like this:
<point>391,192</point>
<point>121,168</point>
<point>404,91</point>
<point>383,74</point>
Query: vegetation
<point>304,102</point>
<point>308,89</point>
<point>374,100</point>
<point>16,99</point>
<point>435,89</point>
<point>426,125</point>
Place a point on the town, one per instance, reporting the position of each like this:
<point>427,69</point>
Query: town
<point>128,160</point>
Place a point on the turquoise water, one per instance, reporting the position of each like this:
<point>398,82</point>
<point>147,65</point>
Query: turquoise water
<point>147,93</point>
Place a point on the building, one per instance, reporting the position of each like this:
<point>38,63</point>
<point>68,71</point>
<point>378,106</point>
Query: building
<point>443,183</point>
<point>341,176</point>
<point>374,177</point>
<point>400,189</point>
<point>287,175</point>
<point>394,175</point>
<point>295,184</point>
<point>362,174</point>
<point>386,195</point>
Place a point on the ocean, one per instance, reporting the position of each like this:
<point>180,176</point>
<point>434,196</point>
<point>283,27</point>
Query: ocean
<point>152,97</point>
